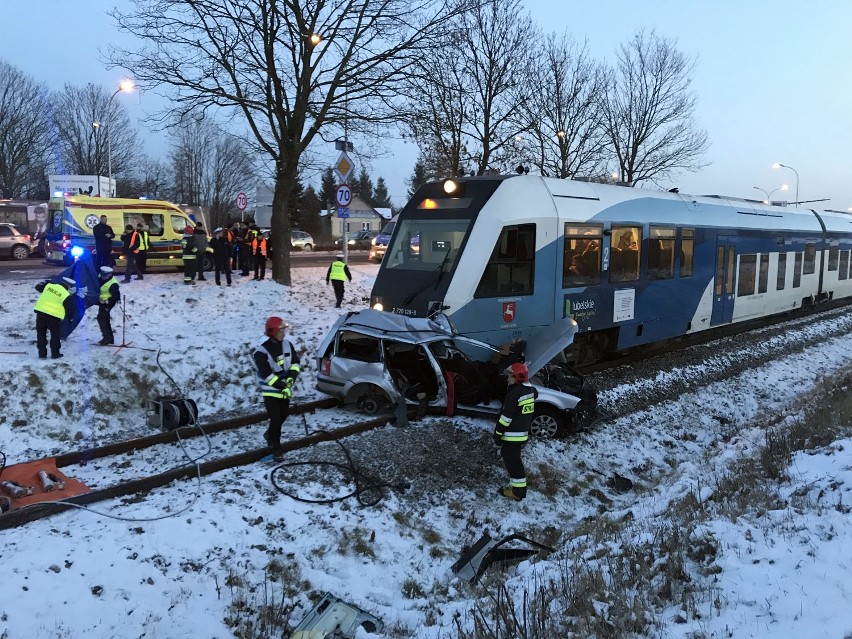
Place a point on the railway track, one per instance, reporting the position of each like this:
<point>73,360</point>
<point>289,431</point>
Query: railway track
<point>25,514</point>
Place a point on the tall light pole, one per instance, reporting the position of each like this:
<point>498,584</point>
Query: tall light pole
<point>125,86</point>
<point>768,195</point>
<point>778,165</point>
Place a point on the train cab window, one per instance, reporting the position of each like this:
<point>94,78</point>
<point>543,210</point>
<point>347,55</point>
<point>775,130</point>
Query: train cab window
<point>763,273</point>
<point>661,252</point>
<point>581,255</point>
<point>351,345</point>
<point>797,270</point>
<point>781,280</point>
<point>687,249</point>
<point>745,279</point>
<point>843,270</point>
<point>809,265</point>
<point>833,251</point>
<point>511,267</point>
<point>625,254</point>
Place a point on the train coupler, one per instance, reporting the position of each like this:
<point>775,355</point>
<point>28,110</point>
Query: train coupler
<point>50,482</point>
<point>15,490</point>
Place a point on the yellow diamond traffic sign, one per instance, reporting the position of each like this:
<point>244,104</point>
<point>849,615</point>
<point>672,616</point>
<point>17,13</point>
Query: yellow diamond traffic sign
<point>343,166</point>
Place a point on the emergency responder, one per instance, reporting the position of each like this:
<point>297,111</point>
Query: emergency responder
<point>513,428</point>
<point>130,238</point>
<point>53,305</point>
<point>234,240</point>
<point>221,254</point>
<point>189,253</point>
<point>338,273</point>
<point>277,364</point>
<point>107,298</point>
<point>103,242</point>
<point>142,255</point>
<point>258,254</point>
<point>243,242</point>
<point>200,239</point>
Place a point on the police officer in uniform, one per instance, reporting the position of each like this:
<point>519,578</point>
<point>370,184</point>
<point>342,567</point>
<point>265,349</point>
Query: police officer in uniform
<point>53,305</point>
<point>277,364</point>
<point>189,254</point>
<point>513,428</point>
<point>338,273</point>
<point>107,298</point>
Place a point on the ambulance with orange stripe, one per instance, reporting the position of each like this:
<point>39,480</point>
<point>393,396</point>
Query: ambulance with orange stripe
<point>71,219</point>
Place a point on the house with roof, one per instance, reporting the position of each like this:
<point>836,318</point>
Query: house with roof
<point>362,217</point>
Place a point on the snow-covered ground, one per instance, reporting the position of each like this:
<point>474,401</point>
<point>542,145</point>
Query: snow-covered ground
<point>179,561</point>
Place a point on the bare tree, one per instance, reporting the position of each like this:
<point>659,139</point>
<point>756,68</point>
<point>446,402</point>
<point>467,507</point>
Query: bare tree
<point>23,134</point>
<point>82,117</point>
<point>210,167</point>
<point>562,114</point>
<point>649,108</point>
<point>290,70</point>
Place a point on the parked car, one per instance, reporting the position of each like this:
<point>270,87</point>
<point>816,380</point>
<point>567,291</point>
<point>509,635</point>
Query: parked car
<point>359,240</point>
<point>14,243</point>
<point>379,244</point>
<point>301,240</point>
<point>375,359</point>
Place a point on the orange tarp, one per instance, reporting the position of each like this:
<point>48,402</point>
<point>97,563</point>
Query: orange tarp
<point>27,475</point>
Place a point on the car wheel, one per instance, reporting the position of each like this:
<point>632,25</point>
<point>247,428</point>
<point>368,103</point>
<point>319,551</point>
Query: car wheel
<point>20,252</point>
<point>547,423</point>
<point>307,247</point>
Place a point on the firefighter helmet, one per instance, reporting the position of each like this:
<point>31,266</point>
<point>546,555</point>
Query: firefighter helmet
<point>520,372</point>
<point>273,324</point>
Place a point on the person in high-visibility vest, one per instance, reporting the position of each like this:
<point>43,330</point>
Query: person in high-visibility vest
<point>258,254</point>
<point>53,305</point>
<point>337,274</point>
<point>108,296</point>
<point>513,428</point>
<point>142,255</point>
<point>130,239</point>
<point>277,364</point>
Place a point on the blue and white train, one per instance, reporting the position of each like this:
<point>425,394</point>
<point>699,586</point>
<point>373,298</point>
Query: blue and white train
<point>504,256</point>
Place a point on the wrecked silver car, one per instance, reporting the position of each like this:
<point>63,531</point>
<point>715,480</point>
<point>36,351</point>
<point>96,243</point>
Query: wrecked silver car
<point>375,360</point>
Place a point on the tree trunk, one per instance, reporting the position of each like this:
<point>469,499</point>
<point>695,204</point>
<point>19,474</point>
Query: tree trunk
<point>285,183</point>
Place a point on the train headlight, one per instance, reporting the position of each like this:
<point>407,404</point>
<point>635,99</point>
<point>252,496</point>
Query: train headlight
<point>378,306</point>
<point>450,186</point>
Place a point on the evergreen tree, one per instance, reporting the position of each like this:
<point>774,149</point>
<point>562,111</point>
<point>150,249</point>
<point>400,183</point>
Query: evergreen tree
<point>363,187</point>
<point>328,188</point>
<point>381,199</point>
<point>419,177</point>
<point>311,205</point>
<point>294,205</point>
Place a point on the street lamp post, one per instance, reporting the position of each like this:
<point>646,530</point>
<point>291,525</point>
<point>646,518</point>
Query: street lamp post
<point>768,194</point>
<point>778,165</point>
<point>125,86</point>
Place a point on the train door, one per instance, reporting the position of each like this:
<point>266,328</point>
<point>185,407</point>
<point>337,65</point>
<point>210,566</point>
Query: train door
<point>724,281</point>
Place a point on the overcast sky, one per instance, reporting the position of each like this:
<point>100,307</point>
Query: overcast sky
<point>771,80</point>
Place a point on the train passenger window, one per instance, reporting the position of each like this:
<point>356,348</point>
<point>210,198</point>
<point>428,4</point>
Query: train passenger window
<point>809,265</point>
<point>353,345</point>
<point>581,255</point>
<point>720,269</point>
<point>511,268</point>
<point>797,270</point>
<point>843,271</point>
<point>745,279</point>
<point>687,248</point>
<point>763,273</point>
<point>833,250</point>
<point>625,254</point>
<point>661,253</point>
<point>781,281</point>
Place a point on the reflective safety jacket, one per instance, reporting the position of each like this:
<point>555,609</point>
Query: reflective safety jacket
<point>258,245</point>
<point>144,241</point>
<point>277,365</point>
<point>52,300</point>
<point>517,413</point>
<point>338,271</point>
<point>190,250</point>
<point>109,296</point>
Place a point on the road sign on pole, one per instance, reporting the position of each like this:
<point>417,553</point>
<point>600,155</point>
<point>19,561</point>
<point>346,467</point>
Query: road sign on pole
<point>343,212</point>
<point>344,195</point>
<point>343,167</point>
<point>242,201</point>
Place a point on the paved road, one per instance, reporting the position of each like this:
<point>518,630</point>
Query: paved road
<point>35,268</point>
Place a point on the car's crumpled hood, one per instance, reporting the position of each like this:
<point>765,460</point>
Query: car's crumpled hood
<point>547,343</point>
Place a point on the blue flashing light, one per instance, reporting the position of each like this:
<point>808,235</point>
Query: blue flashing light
<point>76,251</point>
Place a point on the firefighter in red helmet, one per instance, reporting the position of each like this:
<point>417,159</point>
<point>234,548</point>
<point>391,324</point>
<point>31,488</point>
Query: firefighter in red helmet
<point>513,428</point>
<point>277,364</point>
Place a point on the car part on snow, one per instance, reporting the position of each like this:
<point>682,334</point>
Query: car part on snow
<point>15,490</point>
<point>169,413</point>
<point>332,618</point>
<point>487,551</point>
<point>50,482</point>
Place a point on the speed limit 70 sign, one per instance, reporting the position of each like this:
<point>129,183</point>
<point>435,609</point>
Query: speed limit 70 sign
<point>242,201</point>
<point>344,195</point>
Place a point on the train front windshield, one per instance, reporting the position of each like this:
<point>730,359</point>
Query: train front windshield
<point>426,244</point>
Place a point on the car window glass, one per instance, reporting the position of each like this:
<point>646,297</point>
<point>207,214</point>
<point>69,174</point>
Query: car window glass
<point>352,345</point>
<point>5,231</point>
